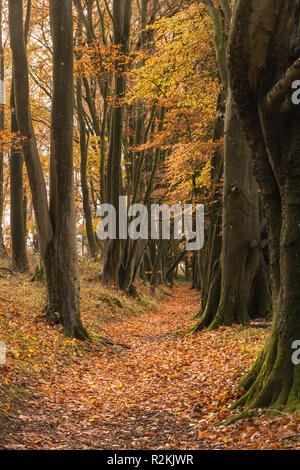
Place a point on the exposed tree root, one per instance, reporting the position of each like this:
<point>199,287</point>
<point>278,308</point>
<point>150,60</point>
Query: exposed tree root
<point>8,270</point>
<point>78,332</point>
<point>273,382</point>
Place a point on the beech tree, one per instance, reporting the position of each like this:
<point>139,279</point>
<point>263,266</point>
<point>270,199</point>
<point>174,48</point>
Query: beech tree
<point>122,10</point>
<point>84,143</point>
<point>239,282</point>
<point>263,46</point>
<point>3,252</point>
<point>17,223</point>
<point>56,219</point>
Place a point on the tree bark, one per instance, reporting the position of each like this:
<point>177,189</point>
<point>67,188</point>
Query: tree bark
<point>259,54</point>
<point>92,243</point>
<point>61,255</point>
<point>3,252</point>
<point>17,214</point>
<point>56,225</point>
<point>114,252</point>
<point>17,222</point>
<point>241,259</point>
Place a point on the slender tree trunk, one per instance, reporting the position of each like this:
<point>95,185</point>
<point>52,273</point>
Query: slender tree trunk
<point>211,251</point>
<point>114,253</point>
<point>3,252</point>
<point>156,265</point>
<point>17,222</point>
<point>92,243</point>
<point>17,213</point>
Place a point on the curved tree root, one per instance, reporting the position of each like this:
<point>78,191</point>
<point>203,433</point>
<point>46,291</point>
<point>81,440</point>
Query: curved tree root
<point>212,303</point>
<point>78,332</point>
<point>273,382</point>
<point>225,315</point>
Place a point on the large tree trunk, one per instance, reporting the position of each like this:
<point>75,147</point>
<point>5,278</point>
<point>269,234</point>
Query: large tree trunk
<point>275,380</point>
<point>232,293</point>
<point>209,257</point>
<point>242,261</point>
<point>56,227</point>
<point>259,53</point>
<point>61,257</point>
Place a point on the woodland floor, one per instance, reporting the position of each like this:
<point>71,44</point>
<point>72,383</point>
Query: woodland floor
<point>168,391</point>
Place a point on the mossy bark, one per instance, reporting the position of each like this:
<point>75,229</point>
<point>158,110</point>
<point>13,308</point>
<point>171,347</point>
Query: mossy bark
<point>259,55</point>
<point>228,295</point>
<point>242,260</point>
<point>275,380</point>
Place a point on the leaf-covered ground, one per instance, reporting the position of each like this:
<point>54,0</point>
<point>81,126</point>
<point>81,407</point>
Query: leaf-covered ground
<point>168,391</point>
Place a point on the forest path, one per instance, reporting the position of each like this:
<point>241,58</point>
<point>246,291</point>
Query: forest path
<point>166,392</point>
<point>135,398</point>
<point>116,398</point>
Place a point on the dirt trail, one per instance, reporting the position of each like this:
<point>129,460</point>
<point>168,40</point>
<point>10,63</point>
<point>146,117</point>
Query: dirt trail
<point>118,398</point>
<point>166,392</point>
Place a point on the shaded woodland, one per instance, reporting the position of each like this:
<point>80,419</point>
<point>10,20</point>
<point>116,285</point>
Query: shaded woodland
<point>165,103</point>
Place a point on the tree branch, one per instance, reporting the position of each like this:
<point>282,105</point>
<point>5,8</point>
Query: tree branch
<point>277,94</point>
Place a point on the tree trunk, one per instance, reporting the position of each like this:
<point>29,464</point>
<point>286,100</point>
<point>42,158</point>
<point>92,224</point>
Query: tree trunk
<point>56,227</point>
<point>114,252</point>
<point>275,380</point>
<point>17,214</point>
<point>92,243</point>
<point>241,258</point>
<point>259,54</point>
<point>17,222</point>
<point>3,252</point>
<point>61,256</point>
<point>211,251</point>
